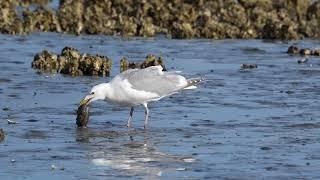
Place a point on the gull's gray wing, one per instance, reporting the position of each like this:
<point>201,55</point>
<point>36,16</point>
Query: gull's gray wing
<point>153,79</point>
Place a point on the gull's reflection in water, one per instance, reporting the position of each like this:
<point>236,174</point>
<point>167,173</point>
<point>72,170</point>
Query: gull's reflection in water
<point>129,152</point>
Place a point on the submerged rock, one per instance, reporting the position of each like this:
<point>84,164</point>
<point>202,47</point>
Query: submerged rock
<point>248,66</point>
<point>150,60</point>
<point>46,61</point>
<point>2,135</point>
<point>293,50</point>
<point>71,62</point>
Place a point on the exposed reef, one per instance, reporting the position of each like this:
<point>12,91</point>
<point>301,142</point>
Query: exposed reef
<point>217,19</point>
<point>71,62</point>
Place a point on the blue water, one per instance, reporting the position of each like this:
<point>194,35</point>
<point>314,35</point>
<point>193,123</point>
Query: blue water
<point>240,124</point>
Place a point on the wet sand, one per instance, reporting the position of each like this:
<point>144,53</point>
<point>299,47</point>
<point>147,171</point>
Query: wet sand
<point>260,123</point>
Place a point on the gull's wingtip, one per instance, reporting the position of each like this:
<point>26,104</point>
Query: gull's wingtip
<point>194,81</point>
<point>191,87</point>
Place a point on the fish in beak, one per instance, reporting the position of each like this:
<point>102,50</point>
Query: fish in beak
<point>86,100</point>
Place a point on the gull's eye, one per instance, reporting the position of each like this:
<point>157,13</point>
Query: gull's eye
<point>92,93</point>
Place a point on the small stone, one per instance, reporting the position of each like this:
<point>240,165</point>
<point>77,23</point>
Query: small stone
<point>248,66</point>
<point>13,161</point>
<point>293,50</point>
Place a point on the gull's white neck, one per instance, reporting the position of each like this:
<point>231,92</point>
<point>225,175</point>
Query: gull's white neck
<point>105,90</point>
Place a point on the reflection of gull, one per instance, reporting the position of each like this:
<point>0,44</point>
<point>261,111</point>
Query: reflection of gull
<point>111,153</point>
<point>145,161</point>
<point>140,86</point>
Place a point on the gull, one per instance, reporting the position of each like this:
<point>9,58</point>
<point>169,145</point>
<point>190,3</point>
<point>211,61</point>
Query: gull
<point>135,87</point>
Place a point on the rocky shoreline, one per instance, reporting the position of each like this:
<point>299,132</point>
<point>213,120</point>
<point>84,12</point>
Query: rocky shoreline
<point>216,19</point>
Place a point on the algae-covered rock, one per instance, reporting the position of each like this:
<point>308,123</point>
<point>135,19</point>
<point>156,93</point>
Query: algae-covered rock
<point>303,51</point>
<point>70,14</point>
<point>41,19</point>
<point>46,61</point>
<point>9,18</point>
<point>218,19</point>
<point>95,65</point>
<point>150,60</point>
<point>293,50</point>
<point>71,62</point>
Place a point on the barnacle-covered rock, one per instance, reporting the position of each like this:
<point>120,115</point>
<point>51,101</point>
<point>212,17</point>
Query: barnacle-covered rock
<point>71,62</point>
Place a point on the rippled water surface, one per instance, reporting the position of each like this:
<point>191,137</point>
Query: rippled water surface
<point>240,124</point>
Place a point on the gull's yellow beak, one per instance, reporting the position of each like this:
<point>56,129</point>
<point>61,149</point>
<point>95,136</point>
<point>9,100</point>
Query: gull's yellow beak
<point>86,100</point>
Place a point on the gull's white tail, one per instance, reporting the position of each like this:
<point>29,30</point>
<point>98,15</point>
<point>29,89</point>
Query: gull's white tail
<point>192,82</point>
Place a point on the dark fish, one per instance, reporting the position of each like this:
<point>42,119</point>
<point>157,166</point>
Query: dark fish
<point>82,115</point>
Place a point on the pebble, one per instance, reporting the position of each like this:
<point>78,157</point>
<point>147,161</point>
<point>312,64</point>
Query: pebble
<point>248,66</point>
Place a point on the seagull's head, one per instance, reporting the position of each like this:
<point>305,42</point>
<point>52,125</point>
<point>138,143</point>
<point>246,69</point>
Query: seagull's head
<point>98,92</point>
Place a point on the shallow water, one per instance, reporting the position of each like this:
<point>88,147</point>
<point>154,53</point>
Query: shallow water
<point>240,124</point>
